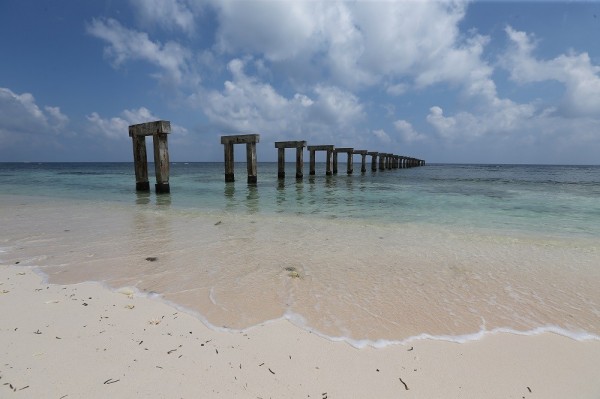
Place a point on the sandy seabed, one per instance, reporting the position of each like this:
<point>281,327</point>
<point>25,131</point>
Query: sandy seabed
<point>86,341</point>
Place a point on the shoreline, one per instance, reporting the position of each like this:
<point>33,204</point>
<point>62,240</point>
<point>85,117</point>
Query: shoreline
<point>84,340</point>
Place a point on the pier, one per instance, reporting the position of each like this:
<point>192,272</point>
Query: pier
<point>250,140</point>
<point>363,160</point>
<point>349,166</point>
<point>159,131</point>
<point>281,146</point>
<point>312,149</point>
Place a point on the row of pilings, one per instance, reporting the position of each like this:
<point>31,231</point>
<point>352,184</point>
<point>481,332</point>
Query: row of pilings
<point>160,129</point>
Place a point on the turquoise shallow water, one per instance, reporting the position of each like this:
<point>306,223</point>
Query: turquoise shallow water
<point>559,200</point>
<point>442,251</point>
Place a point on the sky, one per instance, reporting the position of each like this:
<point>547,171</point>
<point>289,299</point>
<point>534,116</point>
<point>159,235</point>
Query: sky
<point>444,81</point>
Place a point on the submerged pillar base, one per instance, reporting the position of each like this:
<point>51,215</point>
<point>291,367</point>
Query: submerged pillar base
<point>299,176</point>
<point>162,188</point>
<point>281,175</point>
<point>142,186</point>
<point>252,179</point>
<point>229,177</point>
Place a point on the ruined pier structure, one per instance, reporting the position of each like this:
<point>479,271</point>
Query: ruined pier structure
<point>159,131</point>
<point>386,160</point>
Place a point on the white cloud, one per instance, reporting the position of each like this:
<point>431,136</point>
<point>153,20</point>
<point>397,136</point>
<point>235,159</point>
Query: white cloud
<point>382,136</point>
<point>21,117</point>
<point>407,132</point>
<point>118,127</point>
<point>575,71</point>
<point>127,44</point>
<point>247,104</point>
<point>168,14</point>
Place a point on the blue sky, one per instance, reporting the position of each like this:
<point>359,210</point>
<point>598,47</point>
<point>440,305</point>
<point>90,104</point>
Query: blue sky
<point>445,81</point>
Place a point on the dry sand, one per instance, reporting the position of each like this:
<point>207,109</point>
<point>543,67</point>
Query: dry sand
<point>85,341</point>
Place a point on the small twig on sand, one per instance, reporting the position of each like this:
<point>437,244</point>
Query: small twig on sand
<point>404,383</point>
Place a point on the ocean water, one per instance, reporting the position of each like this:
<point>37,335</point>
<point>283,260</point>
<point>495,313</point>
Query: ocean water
<point>441,251</point>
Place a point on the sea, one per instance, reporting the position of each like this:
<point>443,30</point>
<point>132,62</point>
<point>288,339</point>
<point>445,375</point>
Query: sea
<point>443,251</point>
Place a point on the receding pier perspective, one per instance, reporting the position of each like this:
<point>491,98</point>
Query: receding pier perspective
<point>159,130</point>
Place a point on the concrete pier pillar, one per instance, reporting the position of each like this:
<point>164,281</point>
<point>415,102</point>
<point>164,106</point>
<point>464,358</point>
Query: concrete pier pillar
<point>280,162</point>
<point>250,140</point>
<point>161,163</point>
<point>363,161</point>
<point>251,162</point>
<point>159,131</point>
<point>373,155</point>
<point>330,149</point>
<point>140,163</point>
<point>349,152</point>
<point>299,146</point>
<point>335,162</point>
<point>382,157</point>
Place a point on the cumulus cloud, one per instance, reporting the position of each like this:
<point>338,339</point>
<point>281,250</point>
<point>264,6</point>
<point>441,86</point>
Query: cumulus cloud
<point>247,104</point>
<point>127,44</point>
<point>117,127</point>
<point>575,71</point>
<point>168,14</point>
<point>408,132</point>
<point>21,117</point>
<point>382,136</point>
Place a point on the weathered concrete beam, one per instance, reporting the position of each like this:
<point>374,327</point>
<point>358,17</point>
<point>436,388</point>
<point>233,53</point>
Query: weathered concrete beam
<point>150,128</point>
<point>240,139</point>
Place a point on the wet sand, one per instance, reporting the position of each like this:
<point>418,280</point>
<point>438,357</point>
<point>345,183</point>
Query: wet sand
<point>84,340</point>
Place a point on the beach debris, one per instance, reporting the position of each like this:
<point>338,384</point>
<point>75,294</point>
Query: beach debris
<point>151,258</point>
<point>272,372</point>
<point>20,273</point>
<point>292,272</point>
<point>129,306</point>
<point>410,349</point>
<point>38,332</point>
<point>52,301</point>
<point>529,389</point>
<point>218,223</point>
<point>4,291</point>
<point>110,381</point>
<point>403,383</point>
<point>155,321</point>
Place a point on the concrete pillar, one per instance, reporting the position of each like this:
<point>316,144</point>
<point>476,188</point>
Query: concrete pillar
<point>382,157</point>
<point>251,162</point>
<point>229,174</point>
<point>373,155</point>
<point>335,162</point>
<point>161,163</point>
<point>300,161</point>
<point>328,167</point>
<point>140,163</point>
<point>312,163</point>
<point>250,140</point>
<point>280,163</point>
<point>159,131</point>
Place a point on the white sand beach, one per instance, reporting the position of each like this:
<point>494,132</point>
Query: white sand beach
<point>85,341</point>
